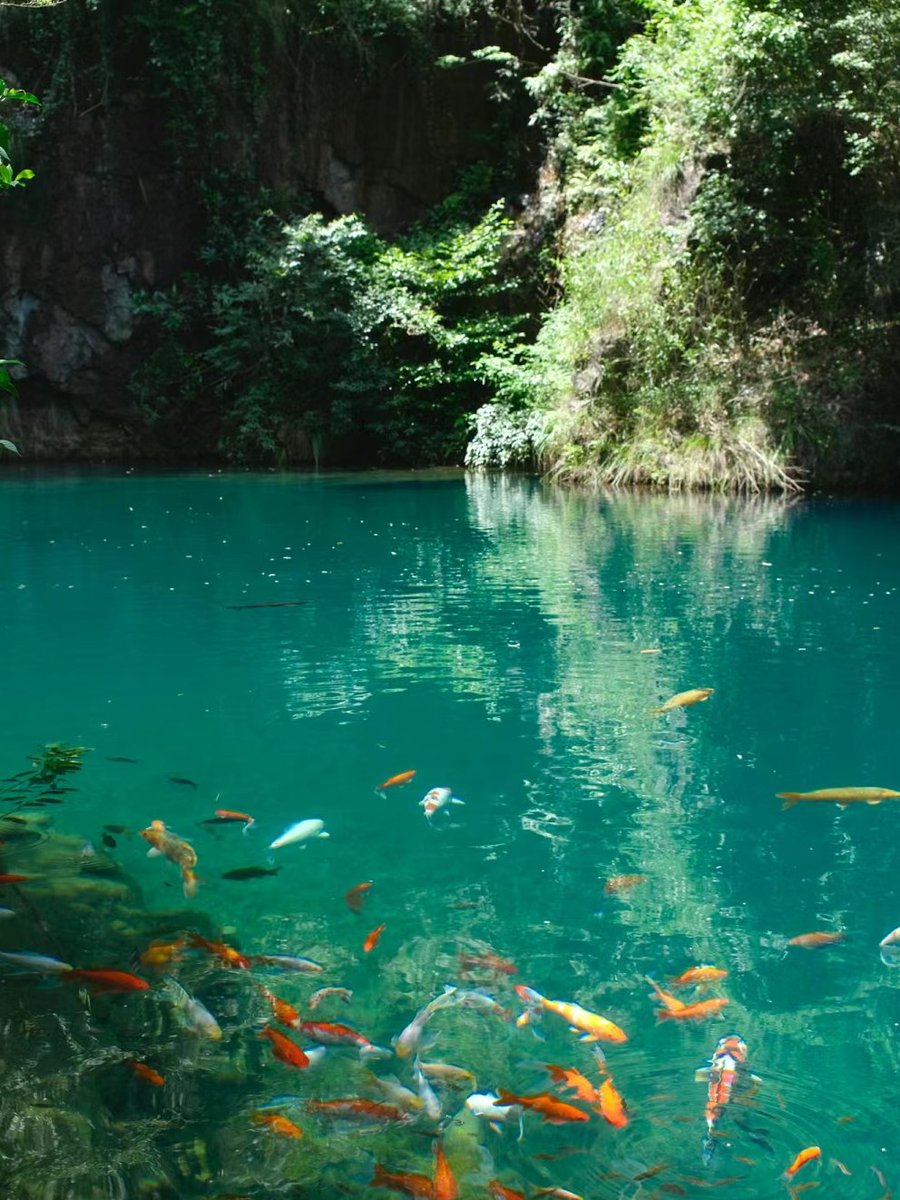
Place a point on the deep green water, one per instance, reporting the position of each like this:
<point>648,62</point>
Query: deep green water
<point>486,633</point>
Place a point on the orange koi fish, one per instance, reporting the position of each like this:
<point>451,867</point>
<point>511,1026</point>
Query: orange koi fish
<point>147,1073</point>
<point>355,1108</point>
<point>842,796</point>
<point>685,699</point>
<point>553,1110</point>
<point>176,850</point>
<point>611,1106</point>
<point>355,898</point>
<point>227,955</point>
<point>277,1123</point>
<point>500,1192</point>
<point>5,878</point>
<point>702,974</point>
<point>228,816</point>
<point>106,982</point>
<point>812,941</point>
<point>805,1156</point>
<point>372,940</point>
<point>162,954</point>
<point>332,1033</point>
<point>445,1186</point>
<point>594,1027</point>
<point>573,1080</point>
<point>692,1012</point>
<point>284,1049</point>
<point>671,1003</point>
<point>411,1183</point>
<point>622,883</point>
<point>396,781</point>
<point>470,962</point>
<point>284,1013</point>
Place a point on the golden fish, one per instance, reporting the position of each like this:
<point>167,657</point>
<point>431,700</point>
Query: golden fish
<point>176,850</point>
<point>847,795</point>
<point>685,699</point>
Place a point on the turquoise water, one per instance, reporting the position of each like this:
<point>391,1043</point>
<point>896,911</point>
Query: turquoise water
<point>486,633</point>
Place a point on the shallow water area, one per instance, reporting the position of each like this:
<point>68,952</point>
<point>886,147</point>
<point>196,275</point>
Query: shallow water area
<point>280,645</point>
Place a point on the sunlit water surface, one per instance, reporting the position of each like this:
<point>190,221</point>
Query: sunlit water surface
<point>492,635</point>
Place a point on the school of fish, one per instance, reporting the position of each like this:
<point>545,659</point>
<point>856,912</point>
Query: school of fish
<point>407,1093</point>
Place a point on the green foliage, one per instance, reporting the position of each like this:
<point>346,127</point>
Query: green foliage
<point>9,176</point>
<point>736,191</point>
<point>333,344</point>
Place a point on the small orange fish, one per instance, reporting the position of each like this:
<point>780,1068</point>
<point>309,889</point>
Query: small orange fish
<point>278,1124</point>
<point>147,1073</point>
<point>162,954</point>
<point>622,883</point>
<point>284,1049</point>
<point>411,1183</point>
<point>445,1186</point>
<point>811,941</point>
<point>488,961</point>
<point>612,1106</point>
<point>748,1162</point>
<point>575,1081</point>
<point>692,1012</point>
<point>372,940</point>
<point>227,955</point>
<point>685,699</point>
<point>845,1120</point>
<point>553,1110</point>
<point>105,982</point>
<point>396,780</point>
<point>14,878</point>
<point>284,1013</point>
<point>671,1003</point>
<point>703,974</point>
<point>228,814</point>
<point>500,1192</point>
<point>805,1156</point>
<point>650,1172</point>
<point>355,898</point>
<point>357,1108</point>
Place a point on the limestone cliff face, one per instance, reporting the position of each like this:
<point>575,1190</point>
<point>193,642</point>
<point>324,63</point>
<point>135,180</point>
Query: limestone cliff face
<point>116,206</point>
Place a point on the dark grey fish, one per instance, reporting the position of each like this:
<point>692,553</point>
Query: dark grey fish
<point>181,779</point>
<point>271,604</point>
<point>117,828</point>
<point>250,872</point>
<point>109,840</point>
<point>120,758</point>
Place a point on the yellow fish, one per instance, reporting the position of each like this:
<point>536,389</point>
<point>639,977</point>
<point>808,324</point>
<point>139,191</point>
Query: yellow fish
<point>846,795</point>
<point>685,699</point>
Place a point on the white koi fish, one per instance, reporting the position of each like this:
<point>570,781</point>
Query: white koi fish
<point>437,799</point>
<point>484,1105</point>
<point>302,831</point>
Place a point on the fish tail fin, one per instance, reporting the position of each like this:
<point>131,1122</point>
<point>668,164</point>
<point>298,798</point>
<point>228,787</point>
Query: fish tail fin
<point>506,1098</point>
<point>247,827</point>
<point>789,798</point>
<point>456,801</point>
<point>380,1177</point>
<point>190,881</point>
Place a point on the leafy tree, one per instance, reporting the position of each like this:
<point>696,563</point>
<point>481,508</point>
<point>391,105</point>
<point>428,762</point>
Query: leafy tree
<point>11,178</point>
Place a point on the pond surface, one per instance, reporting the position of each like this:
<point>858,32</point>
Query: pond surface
<point>282,645</point>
